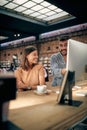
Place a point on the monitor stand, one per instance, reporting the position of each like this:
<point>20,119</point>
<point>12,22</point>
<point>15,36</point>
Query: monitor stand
<point>66,92</point>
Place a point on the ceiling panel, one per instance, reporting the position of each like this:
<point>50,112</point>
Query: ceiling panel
<point>41,20</point>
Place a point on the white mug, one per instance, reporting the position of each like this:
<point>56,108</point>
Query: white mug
<point>41,88</point>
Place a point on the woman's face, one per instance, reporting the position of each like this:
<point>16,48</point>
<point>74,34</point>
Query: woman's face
<point>33,57</point>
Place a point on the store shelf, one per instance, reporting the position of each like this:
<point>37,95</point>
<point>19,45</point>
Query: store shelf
<point>46,62</point>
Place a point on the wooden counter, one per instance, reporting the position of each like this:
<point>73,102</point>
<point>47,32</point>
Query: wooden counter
<point>42,112</point>
<point>30,98</point>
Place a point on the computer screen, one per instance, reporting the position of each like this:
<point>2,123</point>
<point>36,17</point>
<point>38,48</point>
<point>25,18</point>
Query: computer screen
<point>77,58</point>
<point>76,63</point>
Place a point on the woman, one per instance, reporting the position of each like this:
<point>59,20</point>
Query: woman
<point>30,74</point>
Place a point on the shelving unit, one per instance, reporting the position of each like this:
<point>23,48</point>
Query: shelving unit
<point>46,62</point>
<point>5,64</point>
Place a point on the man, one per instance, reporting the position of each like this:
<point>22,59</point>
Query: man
<point>58,62</point>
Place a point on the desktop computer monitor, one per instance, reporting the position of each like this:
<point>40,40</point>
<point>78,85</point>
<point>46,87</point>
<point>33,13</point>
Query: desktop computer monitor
<point>76,63</point>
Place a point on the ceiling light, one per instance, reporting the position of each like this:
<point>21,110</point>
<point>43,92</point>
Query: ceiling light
<point>20,9</point>
<point>28,12</point>
<point>3,38</point>
<point>35,14</point>
<point>19,1</point>
<point>11,5</point>
<point>41,16</point>
<point>3,2</point>
<point>16,35</point>
<point>56,16</point>
<point>52,7</point>
<point>37,7</point>
<point>45,10</point>
<point>50,13</point>
<point>45,4</point>
<point>37,1</point>
<point>58,10</point>
<point>29,4</point>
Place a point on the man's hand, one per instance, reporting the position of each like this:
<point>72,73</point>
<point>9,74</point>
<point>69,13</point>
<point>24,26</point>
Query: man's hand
<point>63,71</point>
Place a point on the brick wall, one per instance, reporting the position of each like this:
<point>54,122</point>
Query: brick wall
<point>46,49</point>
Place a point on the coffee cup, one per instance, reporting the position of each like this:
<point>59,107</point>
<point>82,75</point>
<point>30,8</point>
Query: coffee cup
<point>41,88</point>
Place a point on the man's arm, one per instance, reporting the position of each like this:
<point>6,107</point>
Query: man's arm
<point>55,68</point>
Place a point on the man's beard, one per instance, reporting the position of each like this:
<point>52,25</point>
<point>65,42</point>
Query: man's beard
<point>64,52</point>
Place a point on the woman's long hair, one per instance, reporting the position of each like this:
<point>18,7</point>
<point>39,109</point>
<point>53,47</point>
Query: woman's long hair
<point>27,51</point>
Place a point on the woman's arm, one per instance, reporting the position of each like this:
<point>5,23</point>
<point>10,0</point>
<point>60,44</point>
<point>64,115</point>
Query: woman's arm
<point>19,82</point>
<point>42,76</point>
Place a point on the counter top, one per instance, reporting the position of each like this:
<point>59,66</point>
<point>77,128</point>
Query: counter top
<point>29,98</point>
<point>42,112</point>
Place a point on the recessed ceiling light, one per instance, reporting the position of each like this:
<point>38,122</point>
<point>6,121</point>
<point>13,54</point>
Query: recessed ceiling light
<point>3,38</point>
<point>17,35</point>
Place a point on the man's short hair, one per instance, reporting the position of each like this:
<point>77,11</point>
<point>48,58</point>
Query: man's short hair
<point>63,37</point>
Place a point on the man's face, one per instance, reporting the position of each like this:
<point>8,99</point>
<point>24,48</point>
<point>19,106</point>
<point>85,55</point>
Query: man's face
<point>63,47</point>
